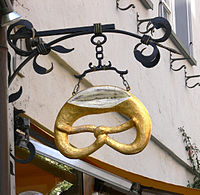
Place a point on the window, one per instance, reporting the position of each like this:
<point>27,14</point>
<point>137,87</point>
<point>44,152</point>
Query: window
<point>147,4</point>
<point>183,23</point>
<point>164,9</point>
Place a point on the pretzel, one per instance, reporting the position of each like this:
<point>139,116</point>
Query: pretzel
<point>97,100</point>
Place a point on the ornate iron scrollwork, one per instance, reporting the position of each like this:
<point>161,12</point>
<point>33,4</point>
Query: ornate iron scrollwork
<point>147,61</point>
<point>155,23</point>
<point>36,46</point>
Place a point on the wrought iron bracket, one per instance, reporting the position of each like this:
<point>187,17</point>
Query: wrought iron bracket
<point>125,8</point>
<point>36,46</point>
<point>172,60</point>
<point>191,77</point>
<point>22,138</point>
<point>187,78</point>
<point>140,22</point>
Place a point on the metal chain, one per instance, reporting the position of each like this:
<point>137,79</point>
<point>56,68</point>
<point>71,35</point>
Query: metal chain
<point>76,88</point>
<point>99,52</point>
<point>99,57</point>
<point>125,82</point>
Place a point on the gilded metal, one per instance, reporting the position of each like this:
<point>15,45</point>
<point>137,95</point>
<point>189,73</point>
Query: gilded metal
<point>98,100</point>
<point>54,167</point>
<point>61,187</point>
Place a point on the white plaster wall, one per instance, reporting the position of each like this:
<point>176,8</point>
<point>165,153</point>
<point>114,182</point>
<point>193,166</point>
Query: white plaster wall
<point>169,102</point>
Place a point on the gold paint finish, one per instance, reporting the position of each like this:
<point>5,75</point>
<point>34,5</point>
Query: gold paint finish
<point>131,107</point>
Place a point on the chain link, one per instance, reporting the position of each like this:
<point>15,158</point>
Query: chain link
<point>125,82</point>
<point>99,57</point>
<point>76,88</point>
<point>99,52</point>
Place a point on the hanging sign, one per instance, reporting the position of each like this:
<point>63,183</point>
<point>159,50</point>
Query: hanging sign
<point>98,100</point>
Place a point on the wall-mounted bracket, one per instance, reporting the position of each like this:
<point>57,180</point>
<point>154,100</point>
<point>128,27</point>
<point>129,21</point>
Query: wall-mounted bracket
<point>36,46</point>
<point>172,60</point>
<point>190,77</point>
<point>148,28</point>
<point>22,138</point>
<point>125,8</point>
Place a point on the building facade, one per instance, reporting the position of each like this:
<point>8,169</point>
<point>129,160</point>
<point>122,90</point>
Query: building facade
<point>170,102</point>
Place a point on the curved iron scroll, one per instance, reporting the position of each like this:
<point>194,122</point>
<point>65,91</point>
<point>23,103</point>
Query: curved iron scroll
<point>191,77</point>
<point>125,8</point>
<point>155,23</point>
<point>147,61</point>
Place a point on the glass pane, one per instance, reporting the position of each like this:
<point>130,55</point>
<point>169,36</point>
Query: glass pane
<point>182,22</point>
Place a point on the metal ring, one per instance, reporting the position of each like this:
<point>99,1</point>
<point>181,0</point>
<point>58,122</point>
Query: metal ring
<point>95,36</point>
<point>31,148</point>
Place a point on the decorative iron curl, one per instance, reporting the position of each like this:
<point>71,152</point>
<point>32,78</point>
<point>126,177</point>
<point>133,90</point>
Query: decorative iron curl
<point>187,78</point>
<point>155,23</point>
<point>147,61</point>
<point>38,47</point>
<point>125,8</point>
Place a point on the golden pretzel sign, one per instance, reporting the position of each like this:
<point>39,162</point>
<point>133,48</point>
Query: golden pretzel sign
<point>97,100</point>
